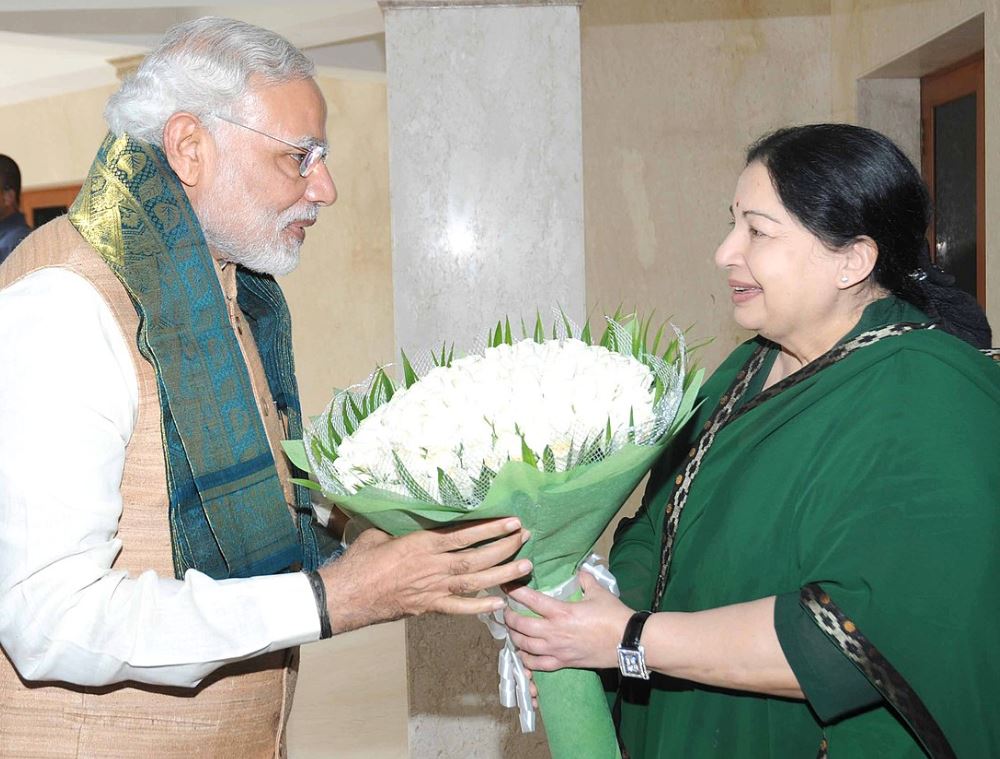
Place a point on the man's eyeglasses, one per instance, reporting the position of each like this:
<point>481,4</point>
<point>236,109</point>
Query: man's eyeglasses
<point>308,158</point>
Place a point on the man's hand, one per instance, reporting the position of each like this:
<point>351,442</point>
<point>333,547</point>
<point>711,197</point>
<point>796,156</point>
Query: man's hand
<point>381,578</point>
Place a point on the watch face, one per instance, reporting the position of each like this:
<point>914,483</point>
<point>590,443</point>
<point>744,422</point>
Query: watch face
<point>632,662</point>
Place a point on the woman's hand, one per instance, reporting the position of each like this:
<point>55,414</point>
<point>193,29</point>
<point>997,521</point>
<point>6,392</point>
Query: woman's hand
<point>584,635</point>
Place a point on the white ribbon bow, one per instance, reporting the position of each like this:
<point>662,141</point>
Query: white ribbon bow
<point>514,690</point>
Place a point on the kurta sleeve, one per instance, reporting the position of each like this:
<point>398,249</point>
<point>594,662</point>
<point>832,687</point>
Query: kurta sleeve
<point>901,527</point>
<point>832,684</point>
<point>67,405</point>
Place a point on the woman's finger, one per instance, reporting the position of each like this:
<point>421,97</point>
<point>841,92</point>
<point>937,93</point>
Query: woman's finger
<point>539,603</point>
<point>527,644</point>
<point>541,663</point>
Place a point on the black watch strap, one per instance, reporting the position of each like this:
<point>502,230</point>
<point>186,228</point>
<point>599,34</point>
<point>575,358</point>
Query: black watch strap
<point>633,630</point>
<point>631,655</point>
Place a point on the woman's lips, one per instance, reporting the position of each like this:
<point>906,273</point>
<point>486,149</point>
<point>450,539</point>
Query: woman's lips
<point>744,291</point>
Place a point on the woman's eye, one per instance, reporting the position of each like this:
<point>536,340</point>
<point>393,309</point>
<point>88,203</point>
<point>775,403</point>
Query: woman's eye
<point>754,232</point>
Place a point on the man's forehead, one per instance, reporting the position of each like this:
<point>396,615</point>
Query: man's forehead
<point>297,106</point>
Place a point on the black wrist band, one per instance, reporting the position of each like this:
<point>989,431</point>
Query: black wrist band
<point>633,629</point>
<point>319,593</point>
<point>631,655</point>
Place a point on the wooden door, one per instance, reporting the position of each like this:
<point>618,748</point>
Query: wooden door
<point>953,148</point>
<point>45,204</point>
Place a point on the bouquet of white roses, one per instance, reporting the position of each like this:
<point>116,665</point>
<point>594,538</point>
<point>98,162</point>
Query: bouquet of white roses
<point>557,432</point>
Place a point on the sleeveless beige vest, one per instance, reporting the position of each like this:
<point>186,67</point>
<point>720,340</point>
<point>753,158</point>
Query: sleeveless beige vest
<point>238,711</point>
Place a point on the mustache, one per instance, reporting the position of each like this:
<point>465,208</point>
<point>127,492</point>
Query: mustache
<point>305,212</point>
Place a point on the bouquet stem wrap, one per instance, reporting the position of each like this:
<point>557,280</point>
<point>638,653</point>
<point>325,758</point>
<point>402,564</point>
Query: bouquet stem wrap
<point>568,724</point>
<point>566,512</point>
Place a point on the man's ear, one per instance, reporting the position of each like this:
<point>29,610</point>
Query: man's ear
<point>857,260</point>
<point>187,145</point>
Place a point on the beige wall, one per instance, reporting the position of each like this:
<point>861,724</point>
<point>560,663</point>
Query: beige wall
<point>672,95</point>
<point>54,140</point>
<point>870,34</point>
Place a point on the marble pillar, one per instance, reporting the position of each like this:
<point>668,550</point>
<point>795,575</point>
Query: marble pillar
<point>485,175</point>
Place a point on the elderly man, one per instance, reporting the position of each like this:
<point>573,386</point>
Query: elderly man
<point>157,568</point>
<point>13,227</point>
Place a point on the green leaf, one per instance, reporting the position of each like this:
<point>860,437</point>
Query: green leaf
<point>349,426</point>
<point>507,337</point>
<point>566,323</point>
<point>607,432</point>
<point>305,483</point>
<point>656,340</point>
<point>631,425</point>
<point>409,376</point>
<point>331,432</point>
<point>548,460</point>
<point>539,328</point>
<point>585,335</point>
<point>358,416</point>
<point>450,494</point>
<point>527,455</point>
<point>498,335</point>
<point>296,452</point>
<point>411,484</point>
<point>687,405</point>
<point>569,456</point>
<point>320,452</point>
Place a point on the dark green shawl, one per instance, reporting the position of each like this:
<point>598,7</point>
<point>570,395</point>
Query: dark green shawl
<point>228,515</point>
<point>877,478</point>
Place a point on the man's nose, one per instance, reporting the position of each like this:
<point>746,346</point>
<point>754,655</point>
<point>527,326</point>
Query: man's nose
<point>320,188</point>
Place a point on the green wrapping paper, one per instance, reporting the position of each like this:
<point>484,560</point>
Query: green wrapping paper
<point>566,512</point>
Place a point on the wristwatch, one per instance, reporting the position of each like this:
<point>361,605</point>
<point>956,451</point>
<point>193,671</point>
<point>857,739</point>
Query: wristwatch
<point>631,655</point>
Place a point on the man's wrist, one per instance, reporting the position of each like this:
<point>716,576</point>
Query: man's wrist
<point>319,593</point>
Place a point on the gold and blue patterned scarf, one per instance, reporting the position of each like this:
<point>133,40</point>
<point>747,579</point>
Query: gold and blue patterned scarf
<point>228,516</point>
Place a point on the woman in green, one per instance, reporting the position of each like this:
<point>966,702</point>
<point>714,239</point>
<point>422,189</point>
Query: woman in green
<point>820,547</point>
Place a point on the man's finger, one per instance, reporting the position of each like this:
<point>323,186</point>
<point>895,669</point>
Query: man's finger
<point>475,559</point>
<point>454,538</point>
<point>490,577</point>
<point>461,605</point>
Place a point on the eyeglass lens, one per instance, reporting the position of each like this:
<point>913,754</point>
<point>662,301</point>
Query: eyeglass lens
<point>313,156</point>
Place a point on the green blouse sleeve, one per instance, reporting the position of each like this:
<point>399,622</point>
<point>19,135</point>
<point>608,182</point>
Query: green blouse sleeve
<point>831,683</point>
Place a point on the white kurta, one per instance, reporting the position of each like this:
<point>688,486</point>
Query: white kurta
<point>68,403</point>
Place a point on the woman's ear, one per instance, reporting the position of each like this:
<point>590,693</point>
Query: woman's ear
<point>186,144</point>
<point>857,260</point>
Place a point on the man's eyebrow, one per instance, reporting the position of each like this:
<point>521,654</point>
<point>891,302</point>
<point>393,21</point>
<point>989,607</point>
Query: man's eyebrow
<point>309,142</point>
<point>751,212</point>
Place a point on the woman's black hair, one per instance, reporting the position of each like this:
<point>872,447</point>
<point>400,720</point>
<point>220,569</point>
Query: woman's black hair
<point>843,182</point>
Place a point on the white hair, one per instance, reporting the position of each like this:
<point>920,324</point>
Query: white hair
<point>203,67</point>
